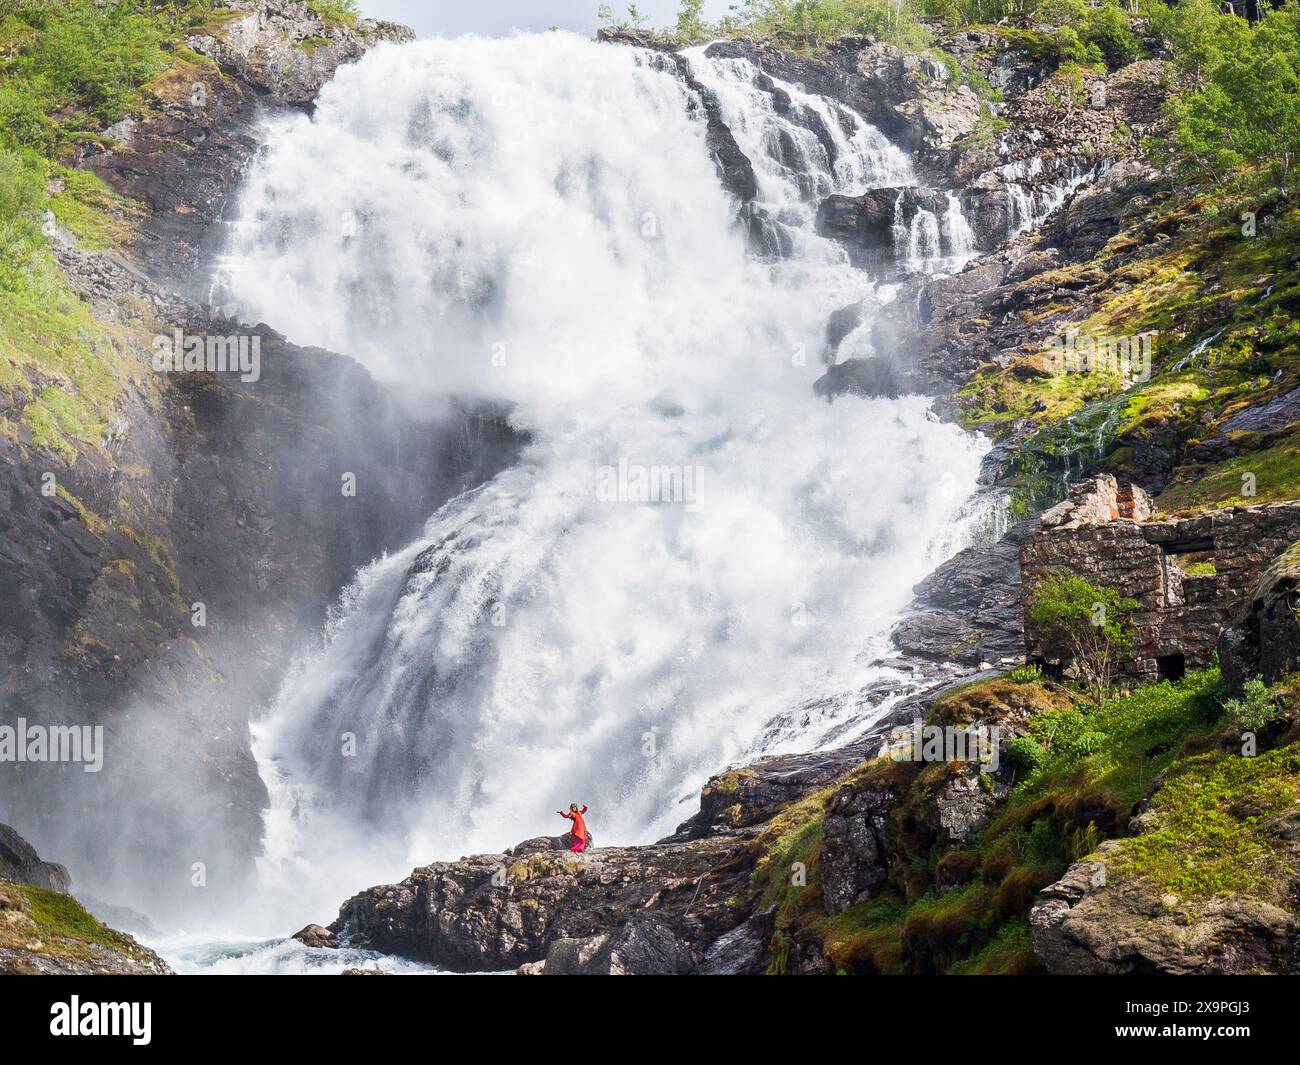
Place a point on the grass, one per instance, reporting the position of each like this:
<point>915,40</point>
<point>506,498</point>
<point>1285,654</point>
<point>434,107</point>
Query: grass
<point>67,71</point>
<point>963,908</point>
<point>1273,473</point>
<point>49,922</point>
<point>1217,815</point>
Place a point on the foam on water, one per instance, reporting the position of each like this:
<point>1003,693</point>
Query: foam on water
<point>538,219</point>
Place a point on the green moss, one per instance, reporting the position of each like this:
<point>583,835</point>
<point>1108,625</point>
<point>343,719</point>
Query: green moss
<point>49,922</point>
<point>1216,817</point>
<point>1273,473</point>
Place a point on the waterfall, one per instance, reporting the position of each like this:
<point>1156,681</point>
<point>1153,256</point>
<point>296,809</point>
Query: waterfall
<point>960,236</point>
<point>692,544</point>
<point>1030,206</point>
<point>803,147</point>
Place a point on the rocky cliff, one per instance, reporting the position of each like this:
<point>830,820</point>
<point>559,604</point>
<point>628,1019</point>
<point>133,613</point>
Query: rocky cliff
<point>45,931</point>
<point>160,567</point>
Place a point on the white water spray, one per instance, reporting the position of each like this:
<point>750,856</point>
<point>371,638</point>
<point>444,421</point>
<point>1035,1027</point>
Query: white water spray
<point>538,219</point>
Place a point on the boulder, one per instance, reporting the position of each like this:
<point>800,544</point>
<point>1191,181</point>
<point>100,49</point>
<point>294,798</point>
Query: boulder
<point>644,948</point>
<point>854,856</point>
<point>492,912</point>
<point>744,951</point>
<point>314,935</point>
<point>1084,924</point>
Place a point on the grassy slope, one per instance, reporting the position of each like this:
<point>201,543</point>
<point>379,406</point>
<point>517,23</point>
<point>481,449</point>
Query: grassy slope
<point>1186,272</point>
<point>1094,764</point>
<point>49,922</point>
<point>66,74</point>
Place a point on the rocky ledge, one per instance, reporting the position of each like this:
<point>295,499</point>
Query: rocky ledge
<point>633,910</point>
<point>45,931</point>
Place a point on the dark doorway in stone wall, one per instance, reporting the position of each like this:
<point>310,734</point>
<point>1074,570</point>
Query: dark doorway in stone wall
<point>1171,667</point>
<point>1051,670</point>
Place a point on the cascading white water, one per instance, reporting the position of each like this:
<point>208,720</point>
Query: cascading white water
<point>1029,206</point>
<point>925,244</point>
<point>958,233</point>
<point>538,219</point>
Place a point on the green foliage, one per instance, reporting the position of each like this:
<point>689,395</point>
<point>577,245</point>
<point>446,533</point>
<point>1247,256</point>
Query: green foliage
<point>1121,746</point>
<point>336,12</point>
<point>1242,117</point>
<point>22,196</point>
<point>691,25</point>
<point>1085,622</point>
<point>1030,673</point>
<point>1024,754</point>
<point>813,23</point>
<point>1252,711</point>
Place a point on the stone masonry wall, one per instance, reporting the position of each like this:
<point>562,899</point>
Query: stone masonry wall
<point>1106,533</point>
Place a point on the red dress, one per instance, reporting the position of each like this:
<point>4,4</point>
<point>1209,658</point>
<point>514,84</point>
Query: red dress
<point>579,830</point>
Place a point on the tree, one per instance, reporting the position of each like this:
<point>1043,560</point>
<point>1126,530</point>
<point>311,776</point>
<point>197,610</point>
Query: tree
<point>691,26</point>
<point>1246,112</point>
<point>1088,624</point>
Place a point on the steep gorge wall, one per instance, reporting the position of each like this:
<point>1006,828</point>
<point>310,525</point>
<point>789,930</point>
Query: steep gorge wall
<point>209,492</point>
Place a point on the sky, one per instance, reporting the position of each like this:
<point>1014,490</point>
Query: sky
<point>496,17</point>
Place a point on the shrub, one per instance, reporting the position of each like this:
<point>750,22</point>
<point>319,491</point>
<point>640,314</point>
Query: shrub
<point>336,12</point>
<point>1251,712</point>
<point>1024,754</point>
<point>1084,622</point>
<point>1029,673</point>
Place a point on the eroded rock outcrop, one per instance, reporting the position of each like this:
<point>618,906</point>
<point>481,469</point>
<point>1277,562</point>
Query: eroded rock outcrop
<point>1084,924</point>
<point>44,931</point>
<point>632,910</point>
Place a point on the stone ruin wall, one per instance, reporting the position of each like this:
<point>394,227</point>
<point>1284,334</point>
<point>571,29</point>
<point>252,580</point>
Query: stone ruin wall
<point>1107,533</point>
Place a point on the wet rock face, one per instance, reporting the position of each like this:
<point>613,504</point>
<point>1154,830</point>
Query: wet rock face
<point>1263,637</point>
<point>970,609</point>
<point>871,226</point>
<point>869,377</point>
<point>500,911</point>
